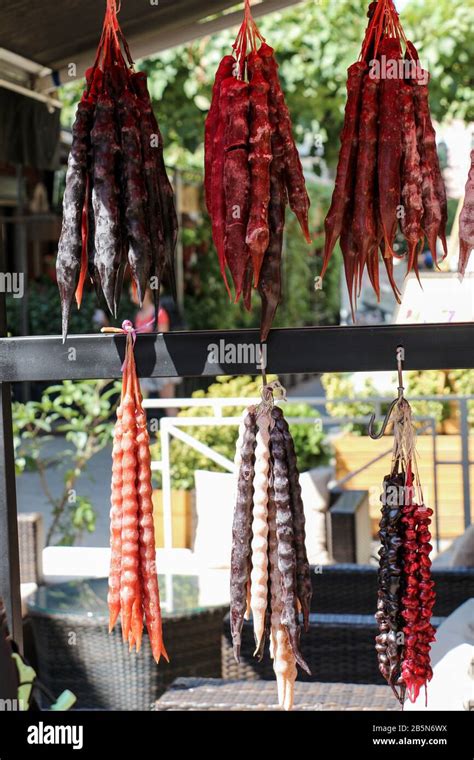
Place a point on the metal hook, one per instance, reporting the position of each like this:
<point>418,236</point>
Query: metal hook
<point>375,436</point>
<point>400,359</point>
<point>400,354</point>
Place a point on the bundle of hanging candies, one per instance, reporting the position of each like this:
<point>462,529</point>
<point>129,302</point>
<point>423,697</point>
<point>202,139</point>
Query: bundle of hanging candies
<point>118,205</point>
<point>406,590</point>
<point>270,573</point>
<point>252,168</point>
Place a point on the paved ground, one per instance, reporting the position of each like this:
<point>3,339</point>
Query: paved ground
<point>94,482</point>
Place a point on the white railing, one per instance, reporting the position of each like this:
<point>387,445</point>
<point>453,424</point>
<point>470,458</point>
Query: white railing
<point>170,426</point>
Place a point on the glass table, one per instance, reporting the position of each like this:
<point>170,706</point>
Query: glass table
<point>179,594</point>
<point>75,650</point>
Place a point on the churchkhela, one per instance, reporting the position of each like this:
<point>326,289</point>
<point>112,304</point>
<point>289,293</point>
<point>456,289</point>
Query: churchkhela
<point>388,173</point>
<point>406,593</point>
<point>270,573</point>
<point>118,205</point>
<point>252,170</point>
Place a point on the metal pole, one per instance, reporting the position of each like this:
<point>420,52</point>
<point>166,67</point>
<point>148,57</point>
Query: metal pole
<point>21,264</point>
<point>166,485</point>
<point>186,353</point>
<point>435,481</point>
<point>466,475</point>
<point>9,552</point>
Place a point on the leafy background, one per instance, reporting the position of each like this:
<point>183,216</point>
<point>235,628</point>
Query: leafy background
<point>315,42</point>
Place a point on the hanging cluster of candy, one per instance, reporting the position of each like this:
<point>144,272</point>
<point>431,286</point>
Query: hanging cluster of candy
<point>406,590</point>
<point>252,170</point>
<point>466,222</point>
<point>270,574</point>
<point>133,582</point>
<point>388,172</point>
<point>118,205</point>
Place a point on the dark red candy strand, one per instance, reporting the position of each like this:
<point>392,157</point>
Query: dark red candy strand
<point>419,595</point>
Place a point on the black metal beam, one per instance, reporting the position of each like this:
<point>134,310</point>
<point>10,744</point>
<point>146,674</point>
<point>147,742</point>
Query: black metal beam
<point>187,354</point>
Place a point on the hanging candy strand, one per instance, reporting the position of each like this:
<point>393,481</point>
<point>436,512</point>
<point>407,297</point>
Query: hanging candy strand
<point>133,583</point>
<point>406,590</point>
<point>405,186</point>
<point>252,169</point>
<point>466,222</point>
<point>268,543</point>
<point>118,206</point>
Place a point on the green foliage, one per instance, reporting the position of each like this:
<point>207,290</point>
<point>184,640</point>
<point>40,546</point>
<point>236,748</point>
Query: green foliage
<point>81,411</point>
<point>309,439</point>
<point>206,301</point>
<point>341,386</point>
<point>418,383</point>
<point>459,382</point>
<point>70,95</point>
<point>444,35</point>
<point>44,312</point>
<point>301,303</point>
<point>310,444</point>
<point>428,384</point>
<point>462,383</point>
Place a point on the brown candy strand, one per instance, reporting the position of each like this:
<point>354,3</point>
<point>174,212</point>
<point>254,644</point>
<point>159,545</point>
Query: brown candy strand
<point>242,531</point>
<point>303,571</point>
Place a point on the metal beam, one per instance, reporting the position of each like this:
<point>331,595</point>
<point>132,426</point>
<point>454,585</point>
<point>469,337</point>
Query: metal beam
<point>188,354</point>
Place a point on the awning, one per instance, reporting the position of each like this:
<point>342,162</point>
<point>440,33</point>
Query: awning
<point>29,132</point>
<point>55,34</point>
<point>49,42</point>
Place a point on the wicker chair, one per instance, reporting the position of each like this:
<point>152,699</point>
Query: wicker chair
<point>220,695</point>
<point>340,644</point>
<point>337,648</point>
<point>352,589</point>
<point>9,679</point>
<point>31,542</point>
<point>78,653</point>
